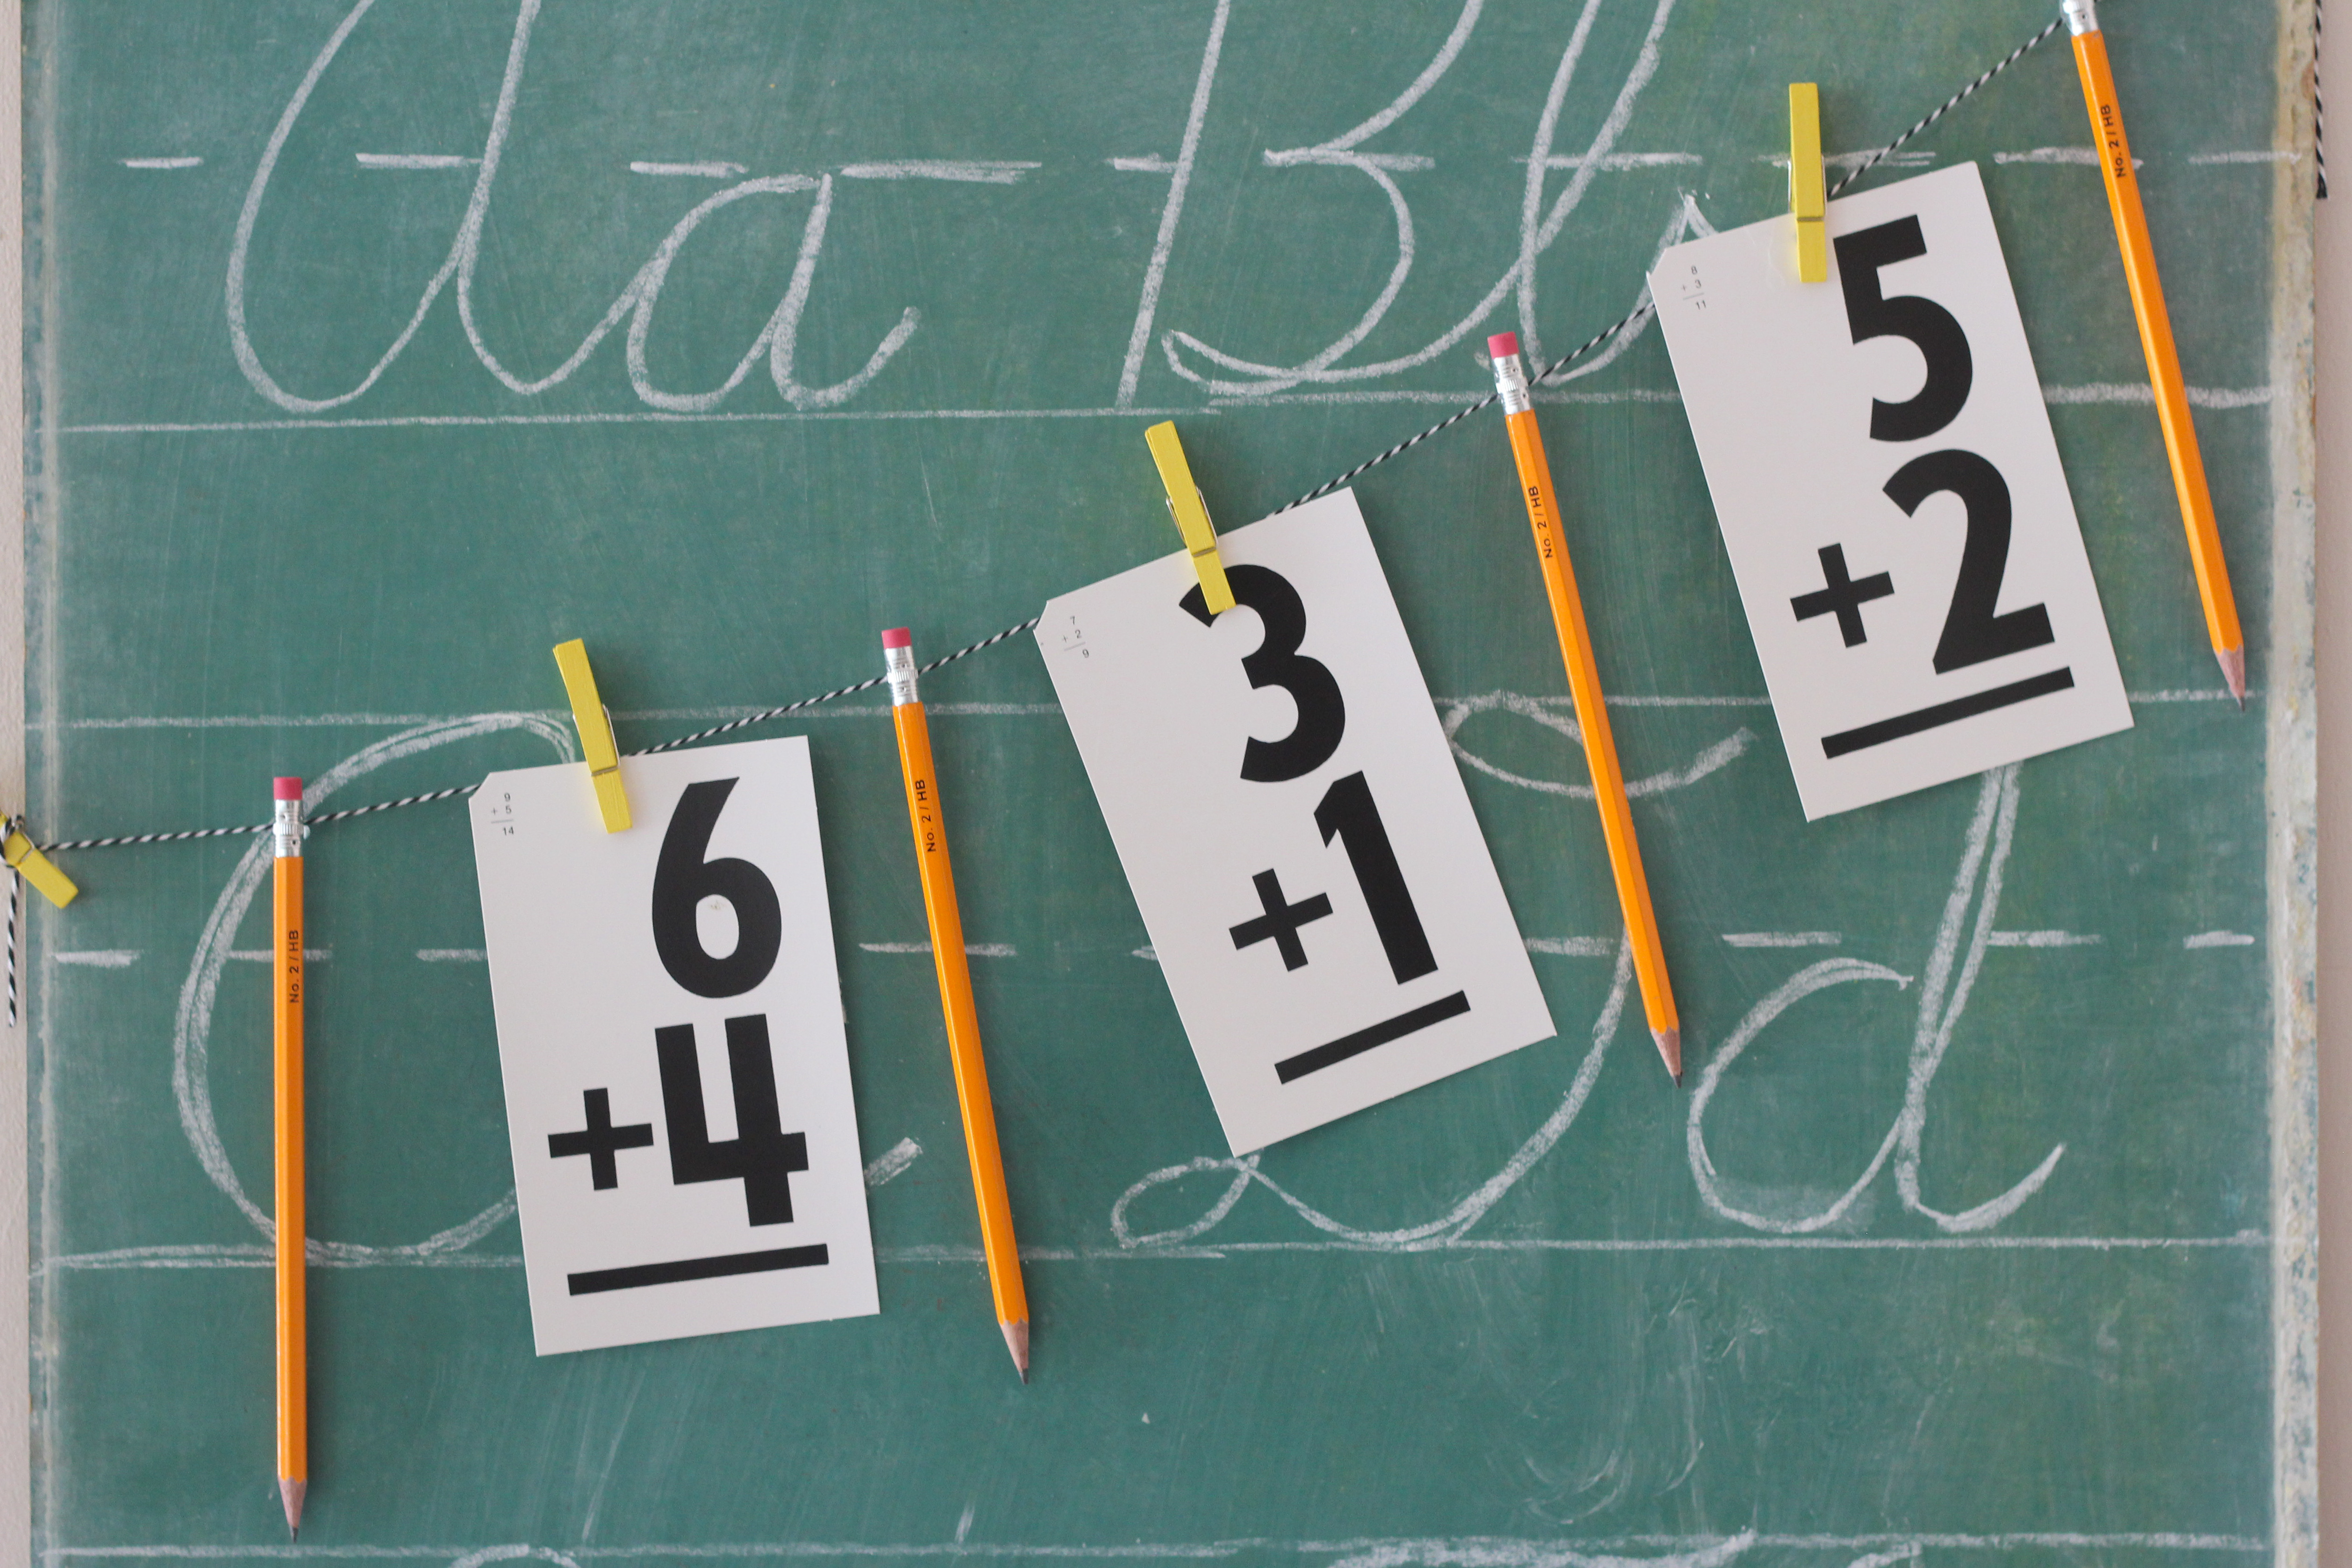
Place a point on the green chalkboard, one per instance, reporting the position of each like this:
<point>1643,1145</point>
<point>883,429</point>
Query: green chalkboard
<point>377,348</point>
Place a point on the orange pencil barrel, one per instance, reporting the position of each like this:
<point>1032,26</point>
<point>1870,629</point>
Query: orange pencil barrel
<point>285,941</point>
<point>1591,713</point>
<point>2156,341</point>
<point>954,969</point>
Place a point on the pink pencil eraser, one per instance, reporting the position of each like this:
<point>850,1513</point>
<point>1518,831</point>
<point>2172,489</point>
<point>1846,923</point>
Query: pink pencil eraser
<point>899,638</point>
<point>286,789</point>
<point>1502,345</point>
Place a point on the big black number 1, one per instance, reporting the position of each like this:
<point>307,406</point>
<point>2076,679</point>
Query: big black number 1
<point>683,879</point>
<point>1973,633</point>
<point>1349,813</point>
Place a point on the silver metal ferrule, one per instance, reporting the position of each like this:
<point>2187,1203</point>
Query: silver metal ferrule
<point>1511,381</point>
<point>2082,15</point>
<point>286,829</point>
<point>898,663</point>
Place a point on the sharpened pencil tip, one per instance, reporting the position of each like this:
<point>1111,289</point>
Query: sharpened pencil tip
<point>1670,1048</point>
<point>290,1494</point>
<point>2233,671</point>
<point>1016,1340</point>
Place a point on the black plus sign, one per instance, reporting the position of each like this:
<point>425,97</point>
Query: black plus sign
<point>1281,921</point>
<point>601,1140</point>
<point>1844,597</point>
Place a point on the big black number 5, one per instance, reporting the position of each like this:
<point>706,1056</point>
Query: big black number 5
<point>683,879</point>
<point>1973,633</point>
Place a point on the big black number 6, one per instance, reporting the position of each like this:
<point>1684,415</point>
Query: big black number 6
<point>1930,327</point>
<point>683,879</point>
<point>1322,715</point>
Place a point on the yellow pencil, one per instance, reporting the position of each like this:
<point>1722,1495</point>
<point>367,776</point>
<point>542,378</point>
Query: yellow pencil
<point>286,938</point>
<point>2156,339</point>
<point>955,998</point>
<point>1592,714</point>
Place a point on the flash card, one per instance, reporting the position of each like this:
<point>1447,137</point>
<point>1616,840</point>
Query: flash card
<point>1888,488</point>
<point>670,1025</point>
<point>1298,840</point>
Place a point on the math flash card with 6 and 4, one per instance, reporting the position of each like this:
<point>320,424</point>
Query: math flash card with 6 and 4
<point>670,1022</point>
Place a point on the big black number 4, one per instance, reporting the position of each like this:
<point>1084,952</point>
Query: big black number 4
<point>1973,633</point>
<point>683,879</point>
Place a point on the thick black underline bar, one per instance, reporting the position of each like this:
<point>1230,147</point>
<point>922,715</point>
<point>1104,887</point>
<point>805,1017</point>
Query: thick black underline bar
<point>1363,1040</point>
<point>687,1268</point>
<point>1944,713</point>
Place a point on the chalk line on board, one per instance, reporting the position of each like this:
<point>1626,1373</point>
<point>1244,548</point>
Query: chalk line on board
<point>1523,703</point>
<point>1341,151</point>
<point>217,1254</point>
<point>971,949</point>
<point>414,161</point>
<point>893,1162</point>
<point>1171,211</point>
<point>2208,397</point>
<point>1467,1552</point>
<point>1538,227</point>
<point>1553,716</point>
<point>689,171</point>
<point>1953,965</point>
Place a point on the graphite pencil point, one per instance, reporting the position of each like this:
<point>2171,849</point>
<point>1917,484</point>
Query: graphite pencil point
<point>1016,1340</point>
<point>2233,671</point>
<point>290,1494</point>
<point>1670,1047</point>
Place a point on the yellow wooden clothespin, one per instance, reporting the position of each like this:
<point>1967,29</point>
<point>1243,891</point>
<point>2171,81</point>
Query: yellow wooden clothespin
<point>1192,515</point>
<point>596,733</point>
<point>1808,194</point>
<point>18,850</point>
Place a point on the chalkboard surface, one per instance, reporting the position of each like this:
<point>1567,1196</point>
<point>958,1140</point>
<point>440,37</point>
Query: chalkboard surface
<point>377,349</point>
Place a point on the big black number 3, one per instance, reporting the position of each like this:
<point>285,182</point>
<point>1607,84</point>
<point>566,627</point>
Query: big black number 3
<point>683,879</point>
<point>1322,715</point>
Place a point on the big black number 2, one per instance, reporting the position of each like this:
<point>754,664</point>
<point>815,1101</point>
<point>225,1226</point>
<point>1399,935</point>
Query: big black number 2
<point>1973,633</point>
<point>683,879</point>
